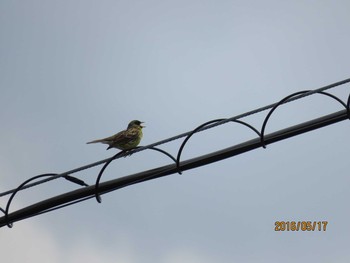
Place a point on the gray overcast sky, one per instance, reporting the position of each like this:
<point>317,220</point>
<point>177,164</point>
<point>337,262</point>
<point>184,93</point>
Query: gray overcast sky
<point>73,71</point>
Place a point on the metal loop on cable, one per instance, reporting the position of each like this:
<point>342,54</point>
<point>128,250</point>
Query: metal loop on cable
<point>287,98</point>
<point>203,125</point>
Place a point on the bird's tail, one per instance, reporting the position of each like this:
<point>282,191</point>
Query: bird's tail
<point>95,141</point>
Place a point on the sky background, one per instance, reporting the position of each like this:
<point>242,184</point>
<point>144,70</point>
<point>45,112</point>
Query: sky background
<point>73,71</point>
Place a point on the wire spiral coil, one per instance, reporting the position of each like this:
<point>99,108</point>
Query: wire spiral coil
<point>179,166</point>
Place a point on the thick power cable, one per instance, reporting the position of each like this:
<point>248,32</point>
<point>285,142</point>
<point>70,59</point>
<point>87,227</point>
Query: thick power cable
<point>108,186</point>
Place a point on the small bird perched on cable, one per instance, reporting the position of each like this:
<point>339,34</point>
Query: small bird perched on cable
<point>124,140</point>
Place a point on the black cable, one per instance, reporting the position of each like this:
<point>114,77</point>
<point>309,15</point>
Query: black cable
<point>142,148</point>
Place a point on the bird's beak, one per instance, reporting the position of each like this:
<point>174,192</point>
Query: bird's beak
<point>142,125</point>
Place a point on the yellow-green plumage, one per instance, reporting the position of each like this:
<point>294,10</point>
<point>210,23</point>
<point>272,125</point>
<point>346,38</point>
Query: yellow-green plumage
<point>124,140</point>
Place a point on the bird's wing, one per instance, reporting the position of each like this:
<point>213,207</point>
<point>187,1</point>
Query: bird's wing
<point>119,138</point>
<point>124,136</point>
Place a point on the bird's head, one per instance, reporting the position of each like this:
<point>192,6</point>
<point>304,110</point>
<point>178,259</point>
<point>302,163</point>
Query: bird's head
<point>135,123</point>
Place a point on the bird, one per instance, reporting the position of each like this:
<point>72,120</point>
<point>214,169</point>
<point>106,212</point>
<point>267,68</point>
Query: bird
<point>126,139</point>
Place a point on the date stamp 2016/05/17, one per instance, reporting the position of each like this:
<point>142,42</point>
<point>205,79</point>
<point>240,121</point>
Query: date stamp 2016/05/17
<point>301,225</point>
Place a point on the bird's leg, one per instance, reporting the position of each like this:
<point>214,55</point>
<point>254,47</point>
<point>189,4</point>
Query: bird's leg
<point>128,152</point>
